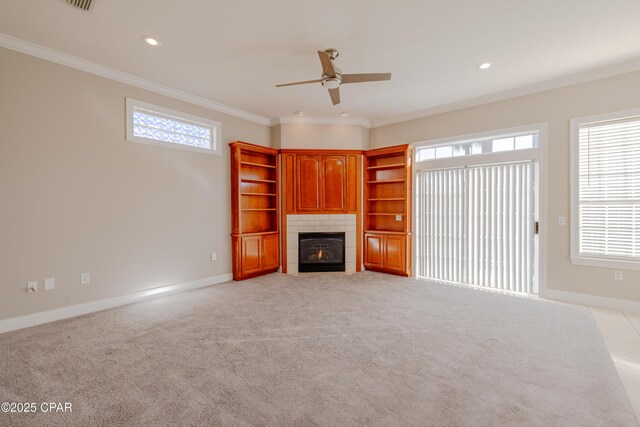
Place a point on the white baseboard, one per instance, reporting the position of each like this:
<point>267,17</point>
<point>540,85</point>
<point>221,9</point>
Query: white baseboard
<point>593,300</point>
<point>29,320</point>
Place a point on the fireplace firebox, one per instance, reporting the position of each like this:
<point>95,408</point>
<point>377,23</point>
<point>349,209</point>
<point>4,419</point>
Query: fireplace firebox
<point>320,252</point>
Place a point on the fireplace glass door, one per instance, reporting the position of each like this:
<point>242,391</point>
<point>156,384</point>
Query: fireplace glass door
<point>321,252</point>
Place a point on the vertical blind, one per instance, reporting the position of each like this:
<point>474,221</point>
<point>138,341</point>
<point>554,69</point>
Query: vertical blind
<point>609,189</point>
<point>476,226</point>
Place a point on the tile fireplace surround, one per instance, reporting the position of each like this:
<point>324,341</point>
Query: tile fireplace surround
<point>321,223</point>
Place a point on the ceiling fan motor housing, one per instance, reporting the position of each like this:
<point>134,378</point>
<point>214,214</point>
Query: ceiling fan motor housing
<point>333,53</point>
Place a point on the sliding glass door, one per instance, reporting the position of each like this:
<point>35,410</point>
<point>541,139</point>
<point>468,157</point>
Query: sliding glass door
<point>477,226</point>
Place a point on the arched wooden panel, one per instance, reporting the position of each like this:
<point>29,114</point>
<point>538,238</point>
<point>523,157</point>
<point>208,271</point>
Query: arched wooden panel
<point>308,183</point>
<point>334,183</point>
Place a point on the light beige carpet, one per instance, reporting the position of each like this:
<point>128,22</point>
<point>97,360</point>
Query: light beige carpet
<point>334,350</point>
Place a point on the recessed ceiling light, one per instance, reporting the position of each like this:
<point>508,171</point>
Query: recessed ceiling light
<point>485,65</point>
<point>344,114</point>
<point>299,113</point>
<point>150,41</point>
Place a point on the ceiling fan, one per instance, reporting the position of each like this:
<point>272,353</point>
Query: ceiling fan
<point>332,77</point>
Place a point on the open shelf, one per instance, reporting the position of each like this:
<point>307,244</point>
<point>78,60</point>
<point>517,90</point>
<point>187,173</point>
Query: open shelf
<point>259,194</point>
<point>270,181</point>
<point>390,166</point>
<point>260,233</point>
<point>260,165</point>
<point>386,181</point>
<point>259,209</point>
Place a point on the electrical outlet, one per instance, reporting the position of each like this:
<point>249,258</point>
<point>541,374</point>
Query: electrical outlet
<point>562,220</point>
<point>618,274</point>
<point>214,256</point>
<point>32,287</point>
<point>49,284</point>
<point>85,278</point>
<point>398,217</point>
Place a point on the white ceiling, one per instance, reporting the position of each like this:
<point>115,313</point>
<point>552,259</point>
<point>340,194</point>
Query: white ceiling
<point>235,51</point>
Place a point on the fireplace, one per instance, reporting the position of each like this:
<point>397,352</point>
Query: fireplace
<point>321,252</point>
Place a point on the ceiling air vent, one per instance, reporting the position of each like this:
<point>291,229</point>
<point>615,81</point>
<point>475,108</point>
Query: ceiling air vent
<point>81,4</point>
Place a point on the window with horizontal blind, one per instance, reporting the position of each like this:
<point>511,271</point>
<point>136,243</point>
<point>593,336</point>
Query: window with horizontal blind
<point>606,190</point>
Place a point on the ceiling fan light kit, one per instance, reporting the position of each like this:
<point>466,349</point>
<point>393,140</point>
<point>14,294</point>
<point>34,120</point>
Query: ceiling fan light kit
<point>331,82</point>
<point>332,77</point>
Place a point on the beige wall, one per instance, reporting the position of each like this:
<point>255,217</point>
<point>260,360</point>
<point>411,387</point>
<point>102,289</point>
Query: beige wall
<point>276,136</point>
<point>76,197</point>
<point>326,137</point>
<point>555,107</point>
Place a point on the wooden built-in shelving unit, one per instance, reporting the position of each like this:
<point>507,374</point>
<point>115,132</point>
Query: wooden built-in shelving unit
<point>320,182</point>
<point>387,210</point>
<point>255,220</point>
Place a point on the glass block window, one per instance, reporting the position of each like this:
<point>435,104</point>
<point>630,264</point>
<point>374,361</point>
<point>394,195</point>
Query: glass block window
<point>152,124</point>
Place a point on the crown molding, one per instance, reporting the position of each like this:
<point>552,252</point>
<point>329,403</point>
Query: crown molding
<point>321,121</point>
<point>61,58</point>
<point>573,79</point>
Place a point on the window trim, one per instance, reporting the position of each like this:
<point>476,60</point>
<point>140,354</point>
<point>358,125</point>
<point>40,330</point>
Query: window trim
<point>216,127</point>
<point>576,257</point>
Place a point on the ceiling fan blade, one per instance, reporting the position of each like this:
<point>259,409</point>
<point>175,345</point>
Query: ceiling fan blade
<point>327,64</point>
<point>363,78</point>
<point>335,96</point>
<point>300,83</point>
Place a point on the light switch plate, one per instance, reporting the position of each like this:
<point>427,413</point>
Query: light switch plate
<point>49,284</point>
<point>32,287</point>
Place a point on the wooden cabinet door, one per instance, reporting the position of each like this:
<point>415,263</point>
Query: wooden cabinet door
<point>395,253</point>
<point>270,251</point>
<point>250,262</point>
<point>334,183</point>
<point>353,182</point>
<point>373,250</point>
<point>288,183</point>
<point>308,183</point>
